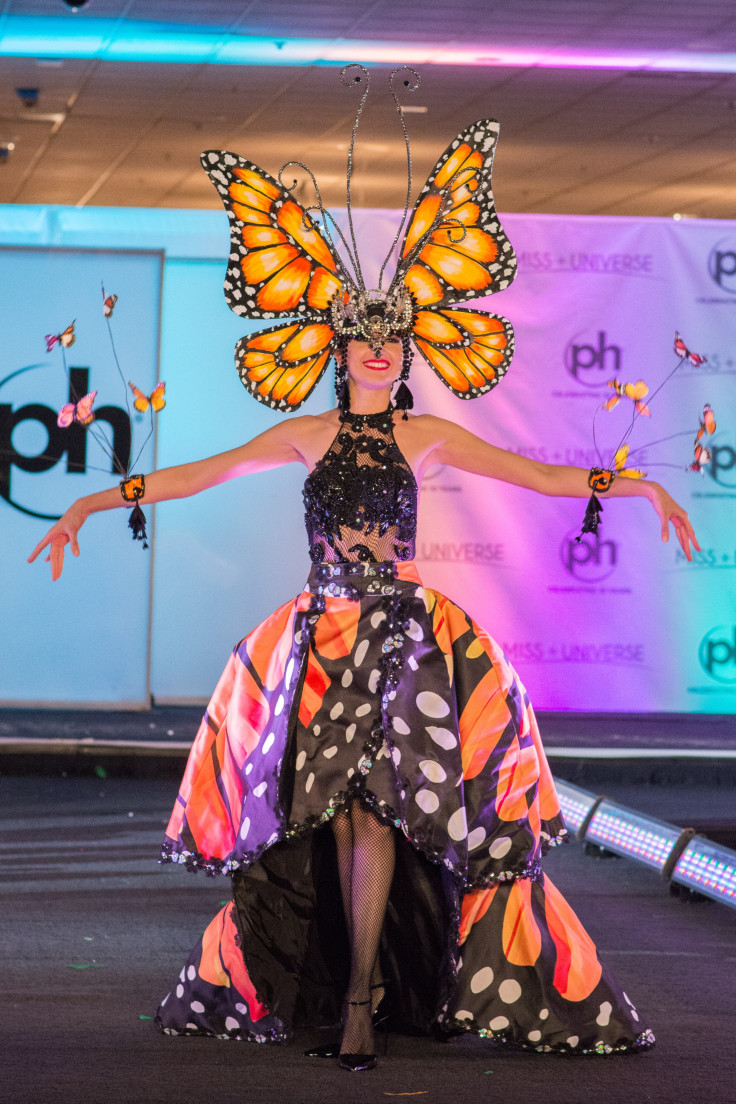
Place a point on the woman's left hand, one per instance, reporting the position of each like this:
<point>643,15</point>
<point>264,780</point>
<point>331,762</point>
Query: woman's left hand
<point>671,511</point>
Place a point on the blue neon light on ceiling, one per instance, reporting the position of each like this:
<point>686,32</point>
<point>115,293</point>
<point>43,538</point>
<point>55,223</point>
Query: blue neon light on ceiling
<point>70,36</point>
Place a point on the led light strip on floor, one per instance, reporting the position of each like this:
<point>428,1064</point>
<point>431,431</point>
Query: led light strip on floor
<point>688,860</point>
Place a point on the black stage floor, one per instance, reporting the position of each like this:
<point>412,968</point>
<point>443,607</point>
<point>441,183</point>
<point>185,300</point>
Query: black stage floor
<point>95,932</point>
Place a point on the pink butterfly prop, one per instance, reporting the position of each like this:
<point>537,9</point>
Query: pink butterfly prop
<point>77,412</point>
<point>64,339</point>
<point>684,353</point>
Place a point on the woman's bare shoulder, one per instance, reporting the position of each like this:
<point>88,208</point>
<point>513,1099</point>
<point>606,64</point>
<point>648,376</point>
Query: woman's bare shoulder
<point>429,426</point>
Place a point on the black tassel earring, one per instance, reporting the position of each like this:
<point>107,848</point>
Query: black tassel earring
<point>341,377</point>
<point>403,399</point>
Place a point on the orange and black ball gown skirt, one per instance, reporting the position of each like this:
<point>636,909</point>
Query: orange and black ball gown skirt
<point>370,687</point>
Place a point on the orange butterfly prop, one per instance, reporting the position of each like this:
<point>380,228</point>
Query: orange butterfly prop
<point>108,304</point>
<point>77,412</point>
<point>619,463</point>
<point>282,266</point>
<point>154,401</point>
<point>707,426</point>
<point>635,391</point>
<point>65,339</point>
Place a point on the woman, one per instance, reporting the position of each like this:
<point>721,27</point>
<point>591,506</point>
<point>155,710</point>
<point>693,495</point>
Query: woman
<point>372,704</point>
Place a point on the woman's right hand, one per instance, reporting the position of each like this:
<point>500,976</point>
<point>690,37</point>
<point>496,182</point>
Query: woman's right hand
<point>59,535</point>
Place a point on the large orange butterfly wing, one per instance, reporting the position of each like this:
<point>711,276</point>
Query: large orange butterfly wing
<point>469,350</point>
<point>281,365</point>
<point>471,256</point>
<point>280,266</point>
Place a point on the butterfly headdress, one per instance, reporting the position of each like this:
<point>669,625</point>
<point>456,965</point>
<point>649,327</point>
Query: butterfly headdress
<point>284,265</point>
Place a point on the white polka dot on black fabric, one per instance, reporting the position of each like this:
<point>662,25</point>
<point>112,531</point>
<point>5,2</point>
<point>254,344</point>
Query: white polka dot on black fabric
<point>241,1008</point>
<point>231,1024</point>
<point>180,991</point>
<point>498,1023</point>
<point>191,972</point>
<point>509,991</point>
<point>337,710</point>
<point>476,838</point>
<point>431,704</point>
<point>330,751</point>
<point>373,681</point>
<point>604,1016</point>
<point>534,1036</point>
<point>363,710</point>
<point>463,1014</point>
<point>347,677</point>
<point>400,726</point>
<point>544,1014</point>
<point>481,979</point>
<point>442,737</point>
<point>432,770</point>
<point>350,732</point>
<point>573,1040</point>
<point>301,760</point>
<point>360,653</point>
<point>427,801</point>
<point>500,847</point>
<point>197,1006</point>
<point>457,825</point>
<point>415,631</point>
<point>377,618</point>
<point>310,781</point>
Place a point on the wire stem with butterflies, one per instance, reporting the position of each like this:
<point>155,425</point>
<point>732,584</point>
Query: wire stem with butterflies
<point>602,478</point>
<point>80,410</point>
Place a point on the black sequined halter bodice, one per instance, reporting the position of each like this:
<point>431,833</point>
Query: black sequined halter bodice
<point>360,500</point>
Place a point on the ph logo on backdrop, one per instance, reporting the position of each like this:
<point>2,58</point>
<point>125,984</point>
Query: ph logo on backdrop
<point>717,653</point>
<point>592,560</point>
<point>722,466</point>
<point>722,265</point>
<point>593,362</point>
<point>70,443</point>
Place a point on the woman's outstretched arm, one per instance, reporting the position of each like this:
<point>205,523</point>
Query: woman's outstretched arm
<point>278,445</point>
<point>460,449</point>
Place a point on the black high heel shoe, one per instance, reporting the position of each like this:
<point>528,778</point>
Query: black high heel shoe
<point>357,1063</point>
<point>384,1009</point>
<point>381,1015</point>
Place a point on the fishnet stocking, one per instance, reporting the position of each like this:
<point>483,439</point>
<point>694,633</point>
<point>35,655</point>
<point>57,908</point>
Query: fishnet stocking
<point>365,855</point>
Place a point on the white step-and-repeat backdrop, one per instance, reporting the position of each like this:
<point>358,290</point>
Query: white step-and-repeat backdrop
<point>619,622</point>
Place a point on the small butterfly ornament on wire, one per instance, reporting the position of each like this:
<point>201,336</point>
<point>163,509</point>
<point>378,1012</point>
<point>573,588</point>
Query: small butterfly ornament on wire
<point>80,411</point>
<point>601,478</point>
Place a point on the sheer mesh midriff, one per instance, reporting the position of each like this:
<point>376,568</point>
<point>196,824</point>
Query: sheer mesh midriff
<point>360,500</point>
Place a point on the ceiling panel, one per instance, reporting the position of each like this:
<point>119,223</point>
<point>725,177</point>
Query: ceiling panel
<point>580,140</point>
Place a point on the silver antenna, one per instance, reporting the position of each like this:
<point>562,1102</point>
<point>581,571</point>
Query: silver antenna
<point>356,79</point>
<point>411,88</point>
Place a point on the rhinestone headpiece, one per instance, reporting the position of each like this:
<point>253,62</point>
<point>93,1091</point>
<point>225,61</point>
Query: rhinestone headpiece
<point>373,316</point>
